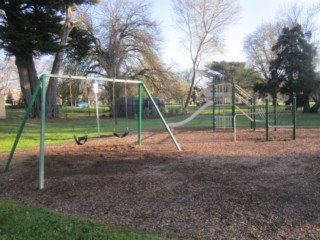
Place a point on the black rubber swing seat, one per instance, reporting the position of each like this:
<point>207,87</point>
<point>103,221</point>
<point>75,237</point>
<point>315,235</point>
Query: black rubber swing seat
<point>122,135</point>
<point>80,140</point>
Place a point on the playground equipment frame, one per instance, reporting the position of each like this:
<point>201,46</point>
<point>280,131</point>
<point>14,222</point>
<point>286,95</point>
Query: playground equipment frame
<point>267,125</point>
<point>275,125</point>
<point>41,85</point>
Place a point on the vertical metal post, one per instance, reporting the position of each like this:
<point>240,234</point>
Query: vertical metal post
<point>42,79</point>
<point>267,118</point>
<point>140,115</point>
<point>294,117</point>
<point>96,91</point>
<point>254,112</point>
<point>97,114</point>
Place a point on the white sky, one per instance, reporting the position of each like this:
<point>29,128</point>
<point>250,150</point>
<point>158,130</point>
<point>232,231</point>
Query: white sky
<point>253,13</point>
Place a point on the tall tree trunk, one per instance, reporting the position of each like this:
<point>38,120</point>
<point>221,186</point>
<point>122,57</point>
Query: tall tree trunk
<point>315,107</point>
<point>51,102</point>
<point>306,103</point>
<point>274,97</point>
<point>28,81</point>
<point>193,79</point>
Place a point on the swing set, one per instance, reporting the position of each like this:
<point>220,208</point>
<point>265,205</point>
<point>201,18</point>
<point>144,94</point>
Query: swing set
<point>41,89</point>
<point>83,139</point>
<point>79,140</point>
<point>114,110</point>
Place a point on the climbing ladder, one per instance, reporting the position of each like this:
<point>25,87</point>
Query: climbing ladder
<point>228,98</point>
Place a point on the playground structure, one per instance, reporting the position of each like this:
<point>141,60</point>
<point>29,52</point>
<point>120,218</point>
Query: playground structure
<point>230,102</point>
<point>41,89</point>
<point>191,117</point>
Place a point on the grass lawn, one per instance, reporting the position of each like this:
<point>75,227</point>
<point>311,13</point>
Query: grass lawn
<point>77,121</point>
<point>28,223</point>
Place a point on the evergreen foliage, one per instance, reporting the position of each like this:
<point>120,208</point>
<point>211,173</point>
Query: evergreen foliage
<point>30,27</point>
<point>293,70</point>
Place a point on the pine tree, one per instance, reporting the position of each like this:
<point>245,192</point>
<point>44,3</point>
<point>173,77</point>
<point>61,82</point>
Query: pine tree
<point>293,67</point>
<point>29,29</point>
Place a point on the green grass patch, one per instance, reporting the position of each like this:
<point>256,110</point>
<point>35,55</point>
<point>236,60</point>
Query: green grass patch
<point>79,121</point>
<point>28,223</point>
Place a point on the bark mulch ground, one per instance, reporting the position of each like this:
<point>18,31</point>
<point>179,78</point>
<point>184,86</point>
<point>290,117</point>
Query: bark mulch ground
<point>214,189</point>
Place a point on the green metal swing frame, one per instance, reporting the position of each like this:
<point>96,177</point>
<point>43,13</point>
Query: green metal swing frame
<point>41,86</point>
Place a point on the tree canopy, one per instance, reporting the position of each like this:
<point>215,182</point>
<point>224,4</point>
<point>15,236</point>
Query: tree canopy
<point>293,68</point>
<point>258,45</point>
<point>123,43</point>
<point>34,28</point>
<point>202,24</point>
<point>30,27</point>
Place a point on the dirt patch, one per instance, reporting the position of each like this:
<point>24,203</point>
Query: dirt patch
<point>214,189</point>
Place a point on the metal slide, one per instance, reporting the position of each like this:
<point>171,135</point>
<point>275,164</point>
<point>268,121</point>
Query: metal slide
<point>191,117</point>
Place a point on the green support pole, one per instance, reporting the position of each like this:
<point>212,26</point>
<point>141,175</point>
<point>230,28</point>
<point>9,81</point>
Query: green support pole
<point>254,112</point>
<point>23,123</point>
<point>42,130</point>
<point>162,119</point>
<point>275,102</point>
<point>294,117</point>
<point>140,116</point>
<point>267,117</point>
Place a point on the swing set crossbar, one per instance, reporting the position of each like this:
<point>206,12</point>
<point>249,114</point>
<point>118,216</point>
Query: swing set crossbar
<point>94,78</point>
<point>41,89</point>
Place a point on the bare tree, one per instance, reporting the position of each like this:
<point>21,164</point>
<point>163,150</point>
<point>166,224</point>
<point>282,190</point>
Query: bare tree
<point>152,71</point>
<point>258,44</point>
<point>179,91</point>
<point>202,23</point>
<point>258,47</point>
<point>8,75</point>
<point>300,14</point>
<point>52,110</point>
<point>124,36</point>
<point>126,43</point>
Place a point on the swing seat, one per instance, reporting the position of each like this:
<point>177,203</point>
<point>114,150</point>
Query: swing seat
<point>80,140</point>
<point>122,135</point>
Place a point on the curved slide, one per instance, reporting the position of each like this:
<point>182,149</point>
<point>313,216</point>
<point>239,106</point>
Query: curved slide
<point>191,117</point>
